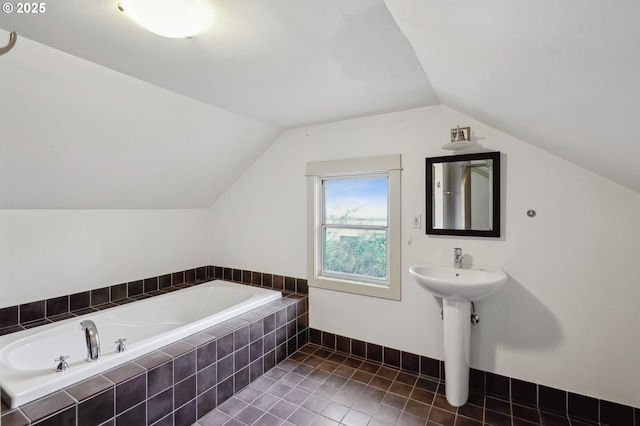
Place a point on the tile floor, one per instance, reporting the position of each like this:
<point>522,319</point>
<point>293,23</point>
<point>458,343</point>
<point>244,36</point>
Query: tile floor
<point>316,386</point>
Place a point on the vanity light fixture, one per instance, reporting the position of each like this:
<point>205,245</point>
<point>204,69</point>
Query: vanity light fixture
<point>460,139</point>
<point>169,18</point>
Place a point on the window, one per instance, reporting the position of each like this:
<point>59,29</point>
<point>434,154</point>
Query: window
<point>354,225</point>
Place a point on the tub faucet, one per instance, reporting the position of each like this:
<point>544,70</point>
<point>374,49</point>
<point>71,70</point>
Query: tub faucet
<point>93,341</point>
<point>457,258</point>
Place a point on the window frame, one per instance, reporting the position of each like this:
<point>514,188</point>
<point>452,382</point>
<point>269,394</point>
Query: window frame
<point>388,166</point>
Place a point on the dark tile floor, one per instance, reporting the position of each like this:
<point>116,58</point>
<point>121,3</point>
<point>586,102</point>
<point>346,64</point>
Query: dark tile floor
<point>316,386</point>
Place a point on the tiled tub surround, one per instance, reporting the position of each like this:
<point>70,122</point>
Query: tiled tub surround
<point>27,358</point>
<point>179,383</point>
<point>525,403</point>
<point>20,317</point>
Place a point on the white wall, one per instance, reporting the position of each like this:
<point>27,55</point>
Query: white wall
<point>566,317</point>
<point>49,253</point>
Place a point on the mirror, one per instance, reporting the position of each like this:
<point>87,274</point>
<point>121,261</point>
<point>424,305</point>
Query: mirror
<point>463,195</point>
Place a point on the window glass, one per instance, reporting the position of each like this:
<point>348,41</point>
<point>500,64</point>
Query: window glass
<point>353,232</point>
<point>358,252</point>
<point>356,201</point>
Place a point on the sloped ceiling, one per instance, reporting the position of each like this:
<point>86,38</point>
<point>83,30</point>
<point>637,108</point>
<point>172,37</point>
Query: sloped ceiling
<point>559,74</point>
<point>98,113</point>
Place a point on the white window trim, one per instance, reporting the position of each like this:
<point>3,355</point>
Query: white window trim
<point>316,171</point>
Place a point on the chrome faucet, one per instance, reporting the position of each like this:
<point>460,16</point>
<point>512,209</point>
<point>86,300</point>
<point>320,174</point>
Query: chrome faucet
<point>457,258</point>
<point>93,341</point>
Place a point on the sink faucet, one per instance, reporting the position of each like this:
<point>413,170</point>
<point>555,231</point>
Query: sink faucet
<point>457,258</point>
<point>93,341</point>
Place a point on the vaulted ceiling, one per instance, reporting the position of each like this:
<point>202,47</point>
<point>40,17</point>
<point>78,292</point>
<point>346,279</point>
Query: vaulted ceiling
<point>96,112</point>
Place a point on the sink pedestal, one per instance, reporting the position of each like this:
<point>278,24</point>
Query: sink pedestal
<point>457,340</point>
<point>458,287</point>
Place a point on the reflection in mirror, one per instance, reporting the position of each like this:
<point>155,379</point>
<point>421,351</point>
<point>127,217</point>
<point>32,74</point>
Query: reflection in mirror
<point>463,195</point>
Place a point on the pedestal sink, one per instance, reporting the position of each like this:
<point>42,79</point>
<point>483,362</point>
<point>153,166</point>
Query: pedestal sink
<point>458,287</point>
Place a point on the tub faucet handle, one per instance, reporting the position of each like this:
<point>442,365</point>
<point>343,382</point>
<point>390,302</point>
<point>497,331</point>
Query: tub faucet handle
<point>121,346</point>
<point>63,366</point>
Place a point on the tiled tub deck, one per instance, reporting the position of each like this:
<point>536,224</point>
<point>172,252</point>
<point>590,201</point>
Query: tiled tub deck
<point>180,383</point>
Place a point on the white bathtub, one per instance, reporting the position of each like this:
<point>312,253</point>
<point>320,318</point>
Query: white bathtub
<point>27,366</point>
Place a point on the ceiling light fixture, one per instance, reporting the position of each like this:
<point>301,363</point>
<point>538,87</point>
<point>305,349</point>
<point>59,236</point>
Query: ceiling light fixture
<point>169,18</point>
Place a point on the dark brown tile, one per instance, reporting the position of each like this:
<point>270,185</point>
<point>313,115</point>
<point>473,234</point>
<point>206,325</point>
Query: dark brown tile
<point>159,378</point>
<point>278,282</point>
<point>152,360</point>
<point>335,411</point>
<point>374,352</point>
<point>32,311</point>
<point>185,391</point>
<point>79,301</point>
<point>135,288</point>
<point>497,385</point>
<point>498,405</point>
<point>494,418</point>
<point>48,405</point>
<point>430,367</point>
<point>410,362</point>
<point>359,348</point>
<point>177,278</point>
<point>224,389</point>
<point>100,296</point>
<point>14,418</point>
<point>525,413</point>
<point>8,316</point>
<point>524,392</point>
<point>159,406</point>
<point>118,292</point>
<point>201,273</point>
<point>552,400</point>
<point>57,306</point>
<point>96,410</point>
<point>582,407</point>
<point>328,340</point>
<point>616,414</point>
<point>206,378</point>
<point>189,275</point>
<point>282,409</point>
<point>88,388</point>
<point>124,372</point>
<point>63,418</point>
<point>553,420</point>
<point>130,393</point>
<point>465,421</point>
<point>302,286</point>
<point>184,365</point>
<point>387,413</point>
<point>178,348</point>
<point>471,411</point>
<point>391,357</point>
<point>185,415</point>
<point>150,284</point>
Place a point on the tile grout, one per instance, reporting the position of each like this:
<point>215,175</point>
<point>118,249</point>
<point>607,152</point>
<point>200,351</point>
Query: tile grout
<point>393,404</point>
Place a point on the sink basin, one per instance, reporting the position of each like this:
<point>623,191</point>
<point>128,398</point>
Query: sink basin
<point>469,283</point>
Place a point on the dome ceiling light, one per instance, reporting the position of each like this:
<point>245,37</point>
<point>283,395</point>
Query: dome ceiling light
<point>169,18</point>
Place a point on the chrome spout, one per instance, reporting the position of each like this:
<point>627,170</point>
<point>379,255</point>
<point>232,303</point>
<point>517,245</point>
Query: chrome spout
<point>92,339</point>
<point>457,258</point>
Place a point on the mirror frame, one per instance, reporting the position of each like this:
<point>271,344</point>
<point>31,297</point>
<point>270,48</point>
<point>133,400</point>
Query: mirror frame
<point>495,231</point>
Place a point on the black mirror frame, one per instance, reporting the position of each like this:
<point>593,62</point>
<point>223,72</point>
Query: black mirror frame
<point>495,232</point>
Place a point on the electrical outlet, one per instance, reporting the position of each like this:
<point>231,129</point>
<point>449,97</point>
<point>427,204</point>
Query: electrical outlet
<point>416,221</point>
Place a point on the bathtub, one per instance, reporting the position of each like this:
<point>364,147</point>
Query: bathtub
<point>27,366</point>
